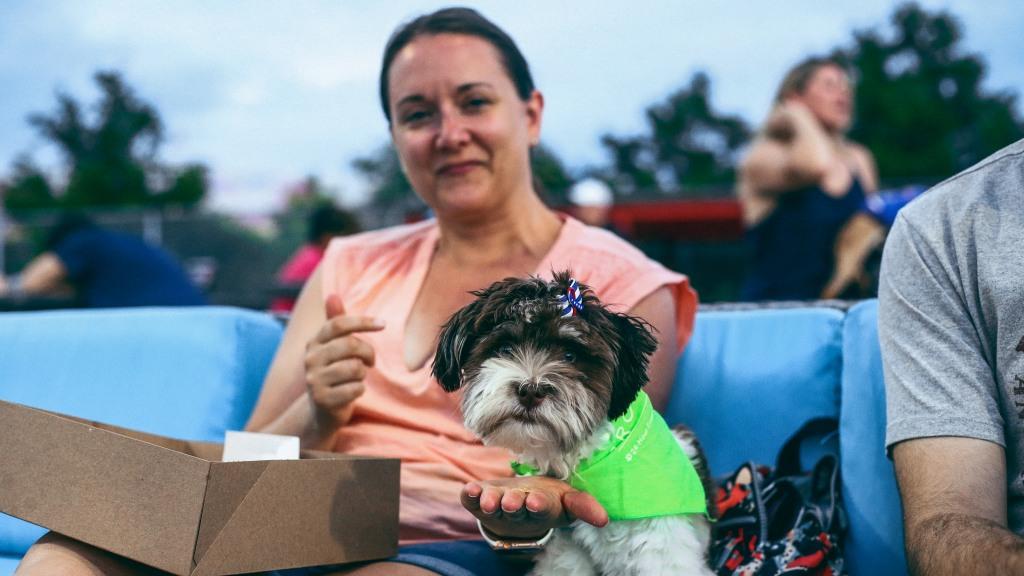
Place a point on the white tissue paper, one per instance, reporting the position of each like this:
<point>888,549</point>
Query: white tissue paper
<point>245,446</point>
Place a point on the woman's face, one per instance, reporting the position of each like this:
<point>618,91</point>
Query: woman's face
<point>461,131</point>
<point>829,97</point>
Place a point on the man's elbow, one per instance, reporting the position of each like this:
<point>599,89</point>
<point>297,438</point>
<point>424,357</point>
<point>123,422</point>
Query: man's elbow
<point>956,543</point>
<point>927,538</point>
<point>920,539</point>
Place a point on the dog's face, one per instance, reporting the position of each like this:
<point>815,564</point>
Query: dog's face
<point>534,378</point>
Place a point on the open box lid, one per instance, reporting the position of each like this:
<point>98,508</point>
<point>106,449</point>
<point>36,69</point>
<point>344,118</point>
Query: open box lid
<point>169,504</point>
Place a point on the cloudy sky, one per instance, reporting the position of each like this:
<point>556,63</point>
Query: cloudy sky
<point>265,93</point>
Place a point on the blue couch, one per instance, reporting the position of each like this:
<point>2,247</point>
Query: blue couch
<point>748,379</point>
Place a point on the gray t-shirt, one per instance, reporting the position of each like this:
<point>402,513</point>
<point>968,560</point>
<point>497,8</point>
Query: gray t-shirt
<point>951,314</point>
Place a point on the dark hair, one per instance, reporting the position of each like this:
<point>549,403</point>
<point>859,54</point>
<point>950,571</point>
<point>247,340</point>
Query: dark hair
<point>795,81</point>
<point>67,224</point>
<point>329,220</point>
<point>457,21</point>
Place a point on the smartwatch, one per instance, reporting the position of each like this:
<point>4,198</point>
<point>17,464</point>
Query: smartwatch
<point>500,544</point>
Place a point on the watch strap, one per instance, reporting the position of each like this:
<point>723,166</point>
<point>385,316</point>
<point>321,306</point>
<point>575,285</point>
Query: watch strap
<point>502,544</point>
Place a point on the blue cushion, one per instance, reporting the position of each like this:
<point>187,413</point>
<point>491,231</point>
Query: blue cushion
<point>748,379</point>
<point>8,564</point>
<point>874,544</point>
<point>188,373</point>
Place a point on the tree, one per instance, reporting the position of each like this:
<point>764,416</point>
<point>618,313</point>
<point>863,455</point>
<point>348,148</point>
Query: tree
<point>551,178</point>
<point>391,196</point>
<point>188,186</point>
<point>383,172</point>
<point>920,106</point>
<point>690,149</point>
<point>31,189</point>
<point>110,161</point>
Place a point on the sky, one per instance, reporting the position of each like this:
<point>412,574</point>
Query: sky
<point>266,93</point>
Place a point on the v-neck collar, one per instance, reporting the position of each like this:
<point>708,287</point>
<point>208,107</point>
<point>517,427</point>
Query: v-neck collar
<point>425,253</point>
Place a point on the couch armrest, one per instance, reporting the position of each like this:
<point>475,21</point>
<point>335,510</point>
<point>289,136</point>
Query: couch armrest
<point>874,544</point>
<point>189,373</point>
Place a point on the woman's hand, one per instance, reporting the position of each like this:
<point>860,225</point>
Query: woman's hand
<point>527,507</point>
<point>336,362</point>
<point>788,118</point>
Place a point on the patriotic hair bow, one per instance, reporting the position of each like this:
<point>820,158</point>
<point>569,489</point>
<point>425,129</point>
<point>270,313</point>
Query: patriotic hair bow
<point>572,301</point>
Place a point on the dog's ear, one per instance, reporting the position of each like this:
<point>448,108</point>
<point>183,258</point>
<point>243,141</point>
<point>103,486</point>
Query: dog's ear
<point>635,345</point>
<point>454,344</point>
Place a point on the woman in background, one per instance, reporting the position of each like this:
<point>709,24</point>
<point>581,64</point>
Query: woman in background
<point>801,183</point>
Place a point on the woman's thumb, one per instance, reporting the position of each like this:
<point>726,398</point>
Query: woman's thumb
<point>334,306</point>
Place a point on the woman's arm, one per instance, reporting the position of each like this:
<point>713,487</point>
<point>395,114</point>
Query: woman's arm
<point>317,371</point>
<point>286,380</point>
<point>794,151</point>
<point>659,310</point>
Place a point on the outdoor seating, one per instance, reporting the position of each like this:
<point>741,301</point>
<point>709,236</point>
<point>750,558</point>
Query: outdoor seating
<point>748,379</point>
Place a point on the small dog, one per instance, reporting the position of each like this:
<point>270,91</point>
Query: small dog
<point>552,375</point>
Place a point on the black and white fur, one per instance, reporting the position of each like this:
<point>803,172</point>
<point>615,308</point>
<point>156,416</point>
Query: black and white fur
<point>547,387</point>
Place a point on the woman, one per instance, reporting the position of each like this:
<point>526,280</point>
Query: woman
<point>353,370</point>
<point>801,182</point>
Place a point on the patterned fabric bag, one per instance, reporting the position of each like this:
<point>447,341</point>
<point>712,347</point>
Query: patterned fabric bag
<point>785,521</point>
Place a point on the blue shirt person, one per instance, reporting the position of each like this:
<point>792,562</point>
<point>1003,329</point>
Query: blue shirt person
<point>105,269</point>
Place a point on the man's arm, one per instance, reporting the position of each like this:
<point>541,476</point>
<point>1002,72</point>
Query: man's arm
<point>954,507</point>
<point>43,275</point>
<point>944,423</point>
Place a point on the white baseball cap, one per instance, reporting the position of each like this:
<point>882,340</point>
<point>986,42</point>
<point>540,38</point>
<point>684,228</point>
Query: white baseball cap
<point>591,192</point>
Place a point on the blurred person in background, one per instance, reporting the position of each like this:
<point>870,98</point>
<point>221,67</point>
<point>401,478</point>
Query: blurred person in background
<point>353,370</point>
<point>325,223</point>
<point>801,183</point>
<point>102,269</point>
<point>592,202</point>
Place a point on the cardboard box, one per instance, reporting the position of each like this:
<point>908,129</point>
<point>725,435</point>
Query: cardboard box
<point>173,505</point>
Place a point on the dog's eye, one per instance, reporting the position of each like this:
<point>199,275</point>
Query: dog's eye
<point>505,350</point>
<point>570,357</point>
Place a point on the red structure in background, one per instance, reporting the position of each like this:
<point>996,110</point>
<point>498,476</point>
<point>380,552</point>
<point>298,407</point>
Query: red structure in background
<point>681,220</point>
<point>701,238</point>
<point>669,220</point>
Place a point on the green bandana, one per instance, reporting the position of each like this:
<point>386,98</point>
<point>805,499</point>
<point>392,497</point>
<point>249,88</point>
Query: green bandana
<point>642,472</point>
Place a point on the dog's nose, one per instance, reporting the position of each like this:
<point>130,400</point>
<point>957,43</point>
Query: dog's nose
<point>530,394</point>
